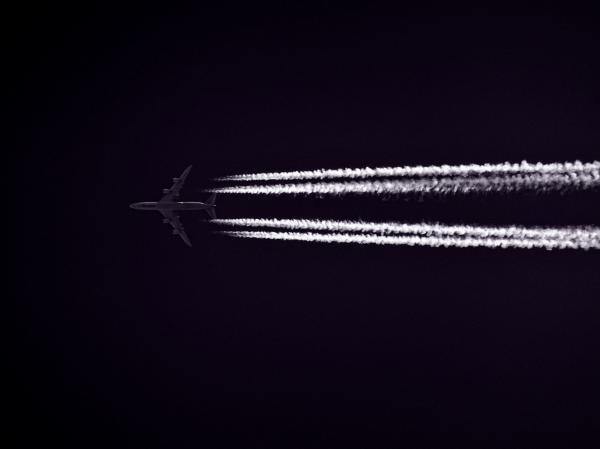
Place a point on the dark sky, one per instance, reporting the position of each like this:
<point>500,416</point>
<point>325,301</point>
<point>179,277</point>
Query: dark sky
<point>125,337</point>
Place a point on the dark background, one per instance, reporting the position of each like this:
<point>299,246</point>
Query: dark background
<point>125,337</point>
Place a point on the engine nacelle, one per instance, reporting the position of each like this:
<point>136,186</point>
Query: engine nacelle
<point>165,191</point>
<point>175,232</point>
<point>175,179</point>
<point>165,220</point>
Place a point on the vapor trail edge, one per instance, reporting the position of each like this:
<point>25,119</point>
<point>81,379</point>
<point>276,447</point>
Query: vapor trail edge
<point>574,233</point>
<point>413,240</point>
<point>511,183</point>
<point>505,168</point>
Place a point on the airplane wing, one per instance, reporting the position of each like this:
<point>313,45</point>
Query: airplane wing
<point>173,192</point>
<point>174,221</point>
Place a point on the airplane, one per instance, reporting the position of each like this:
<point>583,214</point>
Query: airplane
<point>168,206</point>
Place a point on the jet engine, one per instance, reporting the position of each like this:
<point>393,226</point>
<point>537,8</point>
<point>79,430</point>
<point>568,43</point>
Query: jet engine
<point>165,220</point>
<point>165,191</point>
<point>175,232</point>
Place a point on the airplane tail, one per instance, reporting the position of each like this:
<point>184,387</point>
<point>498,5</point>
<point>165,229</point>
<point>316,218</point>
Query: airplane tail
<point>211,201</point>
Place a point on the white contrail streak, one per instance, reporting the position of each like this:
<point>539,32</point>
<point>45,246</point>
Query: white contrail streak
<point>433,170</point>
<point>412,240</point>
<point>584,235</point>
<point>539,182</point>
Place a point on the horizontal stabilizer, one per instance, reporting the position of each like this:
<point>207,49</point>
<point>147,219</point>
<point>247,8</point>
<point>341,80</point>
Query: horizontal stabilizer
<point>212,199</point>
<point>211,212</point>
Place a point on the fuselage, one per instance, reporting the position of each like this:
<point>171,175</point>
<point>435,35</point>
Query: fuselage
<point>170,205</point>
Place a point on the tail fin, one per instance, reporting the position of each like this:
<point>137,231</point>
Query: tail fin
<point>211,201</point>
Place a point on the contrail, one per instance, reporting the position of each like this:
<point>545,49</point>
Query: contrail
<point>539,182</point>
<point>506,168</point>
<point>583,235</point>
<point>443,179</point>
<point>414,240</point>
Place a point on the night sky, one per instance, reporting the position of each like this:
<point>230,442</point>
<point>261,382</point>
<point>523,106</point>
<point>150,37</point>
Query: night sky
<point>125,337</point>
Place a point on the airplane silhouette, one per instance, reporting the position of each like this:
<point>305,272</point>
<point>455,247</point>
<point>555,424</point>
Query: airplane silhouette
<point>168,206</point>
